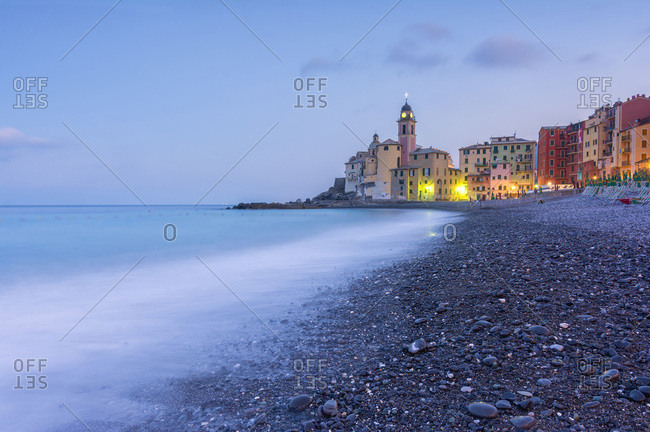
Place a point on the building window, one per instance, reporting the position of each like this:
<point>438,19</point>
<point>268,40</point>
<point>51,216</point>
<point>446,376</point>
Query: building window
<point>552,133</point>
<point>415,157</point>
<point>552,142</point>
<point>644,144</point>
<point>426,156</point>
<point>403,129</point>
<point>552,153</point>
<point>644,132</point>
<point>412,173</point>
<point>550,172</point>
<point>385,147</point>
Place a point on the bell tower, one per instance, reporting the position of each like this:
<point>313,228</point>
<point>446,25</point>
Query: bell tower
<point>406,131</point>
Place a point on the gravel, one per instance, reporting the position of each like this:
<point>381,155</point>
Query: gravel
<point>555,295</point>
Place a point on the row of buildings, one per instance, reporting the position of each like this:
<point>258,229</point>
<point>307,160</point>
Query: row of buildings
<point>611,142</point>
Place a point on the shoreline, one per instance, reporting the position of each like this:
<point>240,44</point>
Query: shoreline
<point>475,302</point>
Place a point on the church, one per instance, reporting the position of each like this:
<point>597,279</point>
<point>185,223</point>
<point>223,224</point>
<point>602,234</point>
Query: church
<point>402,170</point>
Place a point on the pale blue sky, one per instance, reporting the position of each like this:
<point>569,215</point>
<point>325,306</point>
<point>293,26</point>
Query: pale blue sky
<point>171,94</point>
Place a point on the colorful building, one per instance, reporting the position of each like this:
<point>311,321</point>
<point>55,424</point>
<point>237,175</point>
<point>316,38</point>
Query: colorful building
<point>574,133</point>
<point>633,148</point>
<point>552,152</point>
<point>475,158</point>
<point>519,153</point>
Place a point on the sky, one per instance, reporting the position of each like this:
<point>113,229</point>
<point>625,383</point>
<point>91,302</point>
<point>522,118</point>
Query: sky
<point>157,102</point>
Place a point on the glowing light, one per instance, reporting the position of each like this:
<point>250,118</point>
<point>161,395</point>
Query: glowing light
<point>595,177</point>
<point>549,184</point>
<point>536,186</point>
<point>462,190</point>
<point>403,115</point>
<point>512,187</point>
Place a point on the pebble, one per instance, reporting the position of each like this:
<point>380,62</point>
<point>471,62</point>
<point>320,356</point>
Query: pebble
<point>300,402</point>
<point>637,396</point>
<point>503,404</point>
<point>525,393</point>
<point>523,422</point>
<point>591,404</point>
<point>544,382</point>
<point>330,408</point>
<point>483,410</point>
<point>490,360</point>
<point>539,330</point>
<point>417,346</point>
<point>466,389</point>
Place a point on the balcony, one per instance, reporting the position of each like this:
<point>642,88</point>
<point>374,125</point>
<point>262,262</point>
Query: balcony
<point>625,138</point>
<point>625,149</point>
<point>625,163</point>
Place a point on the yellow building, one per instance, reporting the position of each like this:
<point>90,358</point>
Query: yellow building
<point>597,135</point>
<point>474,159</point>
<point>633,146</point>
<point>519,153</point>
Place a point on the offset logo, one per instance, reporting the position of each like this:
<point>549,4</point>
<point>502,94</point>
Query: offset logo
<point>594,92</point>
<point>29,374</point>
<point>309,92</point>
<point>30,92</point>
<point>310,373</point>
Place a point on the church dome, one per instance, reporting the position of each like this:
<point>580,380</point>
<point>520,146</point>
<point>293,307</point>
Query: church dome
<point>406,107</point>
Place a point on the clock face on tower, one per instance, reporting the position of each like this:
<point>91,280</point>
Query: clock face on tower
<point>403,115</point>
<point>411,115</point>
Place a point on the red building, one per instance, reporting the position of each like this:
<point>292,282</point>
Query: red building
<point>552,155</point>
<point>574,153</point>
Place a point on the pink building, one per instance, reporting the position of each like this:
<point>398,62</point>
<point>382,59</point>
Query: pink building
<point>500,180</point>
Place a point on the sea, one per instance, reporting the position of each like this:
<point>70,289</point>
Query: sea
<point>100,302</point>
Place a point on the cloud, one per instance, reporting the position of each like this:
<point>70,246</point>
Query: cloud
<point>588,57</point>
<point>430,30</point>
<point>12,141</point>
<point>11,138</point>
<point>402,55</point>
<point>320,64</point>
<point>415,49</point>
<point>505,51</point>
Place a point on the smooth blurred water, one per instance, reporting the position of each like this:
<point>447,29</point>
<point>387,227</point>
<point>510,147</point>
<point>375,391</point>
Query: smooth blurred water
<point>169,314</point>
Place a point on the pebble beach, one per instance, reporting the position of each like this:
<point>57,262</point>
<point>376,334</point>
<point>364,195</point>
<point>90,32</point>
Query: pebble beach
<point>533,317</point>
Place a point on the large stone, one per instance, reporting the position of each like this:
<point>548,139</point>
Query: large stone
<point>300,402</point>
<point>523,422</point>
<point>483,410</point>
<point>540,330</point>
<point>417,346</point>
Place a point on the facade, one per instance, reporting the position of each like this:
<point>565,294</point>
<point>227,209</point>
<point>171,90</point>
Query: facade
<point>634,149</point>
<point>552,152</point>
<point>500,185</point>
<point>519,153</point>
<point>475,158</point>
<point>574,133</point>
